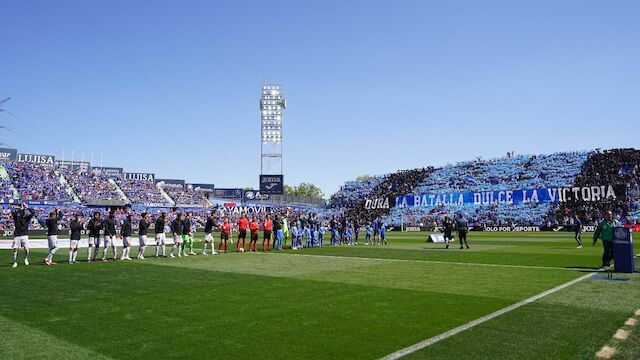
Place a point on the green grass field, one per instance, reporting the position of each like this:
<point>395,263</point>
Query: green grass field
<point>359,302</point>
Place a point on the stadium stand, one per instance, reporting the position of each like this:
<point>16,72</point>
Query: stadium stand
<point>36,182</point>
<point>619,167</point>
<point>185,195</point>
<point>142,192</point>
<point>91,186</point>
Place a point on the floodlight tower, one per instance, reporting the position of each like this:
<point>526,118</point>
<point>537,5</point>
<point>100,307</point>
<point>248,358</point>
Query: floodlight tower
<point>272,105</point>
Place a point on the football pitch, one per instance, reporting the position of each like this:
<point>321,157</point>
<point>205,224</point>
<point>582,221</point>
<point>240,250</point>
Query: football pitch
<point>350,302</point>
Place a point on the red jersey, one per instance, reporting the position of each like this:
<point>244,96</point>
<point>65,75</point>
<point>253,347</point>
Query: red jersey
<point>268,225</point>
<point>226,228</point>
<point>242,224</point>
<point>253,226</point>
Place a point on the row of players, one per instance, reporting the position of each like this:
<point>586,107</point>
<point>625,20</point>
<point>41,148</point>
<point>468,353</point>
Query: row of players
<point>182,230</point>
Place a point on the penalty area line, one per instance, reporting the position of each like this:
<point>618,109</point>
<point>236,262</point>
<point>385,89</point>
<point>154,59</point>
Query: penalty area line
<point>428,342</point>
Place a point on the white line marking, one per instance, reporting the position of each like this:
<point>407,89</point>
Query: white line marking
<point>428,342</point>
<point>436,262</point>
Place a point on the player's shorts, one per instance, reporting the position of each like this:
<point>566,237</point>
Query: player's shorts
<point>177,239</point>
<point>160,238</point>
<point>21,242</point>
<point>224,236</point>
<point>142,240</point>
<point>53,241</point>
<point>109,240</point>
<point>126,241</point>
<point>186,238</point>
<point>242,234</point>
<point>73,244</point>
<point>94,240</point>
<point>267,234</point>
<point>254,237</point>
<point>376,232</point>
<point>208,237</point>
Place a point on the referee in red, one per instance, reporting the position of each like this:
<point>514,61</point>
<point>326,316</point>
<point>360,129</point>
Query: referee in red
<point>243,223</point>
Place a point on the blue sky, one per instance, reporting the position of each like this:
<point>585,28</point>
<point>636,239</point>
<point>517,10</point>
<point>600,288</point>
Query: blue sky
<point>172,87</point>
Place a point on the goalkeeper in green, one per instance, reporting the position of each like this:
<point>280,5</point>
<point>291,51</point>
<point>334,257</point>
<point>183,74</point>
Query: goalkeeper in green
<point>187,235</point>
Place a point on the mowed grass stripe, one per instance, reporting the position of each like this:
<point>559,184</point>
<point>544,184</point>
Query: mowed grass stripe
<point>512,283</point>
<point>578,258</point>
<point>433,262</point>
<point>138,311</point>
<point>15,337</point>
<point>571,324</point>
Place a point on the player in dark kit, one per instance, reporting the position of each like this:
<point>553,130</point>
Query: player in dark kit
<point>21,218</point>
<point>143,229</point>
<point>448,230</point>
<point>463,230</point>
<point>53,230</point>
<point>160,235</point>
<point>208,238</point>
<point>109,225</point>
<point>75,226</point>
<point>243,224</point>
<point>577,228</point>
<point>125,233</point>
<point>94,226</point>
<point>176,231</point>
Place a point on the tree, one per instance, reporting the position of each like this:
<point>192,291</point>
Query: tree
<point>363,177</point>
<point>304,190</point>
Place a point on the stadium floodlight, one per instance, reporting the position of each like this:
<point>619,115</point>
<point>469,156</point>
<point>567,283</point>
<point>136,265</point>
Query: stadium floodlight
<point>272,105</point>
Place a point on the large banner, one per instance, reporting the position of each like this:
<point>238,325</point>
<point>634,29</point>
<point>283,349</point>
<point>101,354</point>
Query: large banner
<point>202,187</point>
<point>255,195</point>
<point>8,154</point>
<point>114,173</point>
<point>272,184</point>
<point>540,195</point>
<point>48,160</point>
<point>170,182</point>
<point>142,177</point>
<point>82,166</point>
<point>228,193</point>
<point>378,203</point>
<point>249,210</point>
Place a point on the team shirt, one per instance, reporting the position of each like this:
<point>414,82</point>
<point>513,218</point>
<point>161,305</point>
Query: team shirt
<point>75,227</point>
<point>143,227</point>
<point>126,231</point>
<point>94,227</point>
<point>253,226</point>
<point>268,225</point>
<point>176,227</point>
<point>226,228</point>
<point>208,226</point>
<point>52,227</point>
<point>109,225</point>
<point>186,226</point>
<point>242,223</point>
<point>159,227</point>
<point>22,220</point>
